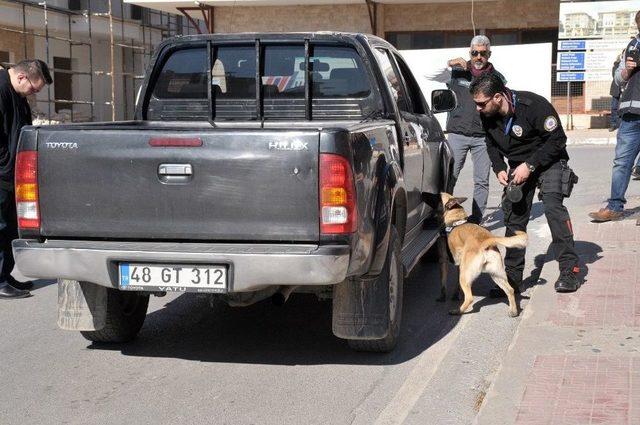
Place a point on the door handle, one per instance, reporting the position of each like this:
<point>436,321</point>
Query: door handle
<point>175,173</point>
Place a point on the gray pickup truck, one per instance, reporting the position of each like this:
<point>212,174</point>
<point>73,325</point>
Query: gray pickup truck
<point>258,165</point>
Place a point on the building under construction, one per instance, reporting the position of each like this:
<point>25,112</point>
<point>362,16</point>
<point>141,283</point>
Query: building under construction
<point>97,49</point>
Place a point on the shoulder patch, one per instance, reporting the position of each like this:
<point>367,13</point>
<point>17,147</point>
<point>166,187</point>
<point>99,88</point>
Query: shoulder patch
<point>550,123</point>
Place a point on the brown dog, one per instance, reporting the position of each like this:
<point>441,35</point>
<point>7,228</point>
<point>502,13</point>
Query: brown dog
<point>475,250</point>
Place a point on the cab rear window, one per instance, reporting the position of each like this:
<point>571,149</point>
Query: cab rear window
<point>339,84</point>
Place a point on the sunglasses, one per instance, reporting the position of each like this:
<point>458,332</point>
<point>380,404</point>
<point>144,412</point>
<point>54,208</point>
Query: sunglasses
<point>483,53</point>
<point>481,105</point>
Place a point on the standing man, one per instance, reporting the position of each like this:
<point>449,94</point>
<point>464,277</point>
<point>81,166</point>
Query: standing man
<point>523,128</point>
<point>26,78</point>
<point>463,124</point>
<point>628,137</point>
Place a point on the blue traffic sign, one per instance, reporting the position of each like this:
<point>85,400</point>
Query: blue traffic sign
<point>570,61</point>
<point>572,44</point>
<point>569,76</point>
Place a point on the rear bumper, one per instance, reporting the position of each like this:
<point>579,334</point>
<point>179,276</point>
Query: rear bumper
<point>251,266</point>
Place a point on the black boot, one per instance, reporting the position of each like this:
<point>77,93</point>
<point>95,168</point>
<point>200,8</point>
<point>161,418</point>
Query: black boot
<point>20,285</point>
<point>7,291</point>
<point>567,282</point>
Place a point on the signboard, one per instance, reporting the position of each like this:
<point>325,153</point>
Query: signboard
<point>572,44</point>
<point>569,61</point>
<point>569,76</point>
<point>591,35</point>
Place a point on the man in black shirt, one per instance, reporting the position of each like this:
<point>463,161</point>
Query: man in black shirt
<point>523,128</point>
<point>24,79</point>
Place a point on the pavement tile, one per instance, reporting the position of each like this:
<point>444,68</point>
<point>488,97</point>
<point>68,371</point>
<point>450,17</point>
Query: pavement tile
<point>587,390</point>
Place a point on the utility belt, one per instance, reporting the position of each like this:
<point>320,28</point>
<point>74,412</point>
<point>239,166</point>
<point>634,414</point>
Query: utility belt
<point>558,178</point>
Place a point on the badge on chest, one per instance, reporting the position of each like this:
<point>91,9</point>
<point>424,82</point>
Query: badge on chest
<point>517,130</point>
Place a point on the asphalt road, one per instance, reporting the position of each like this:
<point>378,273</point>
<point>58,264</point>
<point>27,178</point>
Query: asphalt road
<point>194,362</point>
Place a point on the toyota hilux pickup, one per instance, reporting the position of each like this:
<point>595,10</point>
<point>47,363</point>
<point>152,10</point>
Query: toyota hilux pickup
<point>257,165</point>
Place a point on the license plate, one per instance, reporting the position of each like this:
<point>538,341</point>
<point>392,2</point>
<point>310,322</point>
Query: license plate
<point>172,277</point>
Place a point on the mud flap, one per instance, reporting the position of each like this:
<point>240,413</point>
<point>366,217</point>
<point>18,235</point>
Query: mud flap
<point>82,306</point>
<point>360,308</point>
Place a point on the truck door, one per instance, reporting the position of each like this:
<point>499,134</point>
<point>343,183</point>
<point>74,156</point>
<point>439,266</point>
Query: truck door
<point>432,137</point>
<point>410,138</point>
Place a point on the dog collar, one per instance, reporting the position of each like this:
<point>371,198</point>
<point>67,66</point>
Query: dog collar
<point>448,229</point>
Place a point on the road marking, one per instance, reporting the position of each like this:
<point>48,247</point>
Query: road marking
<point>418,379</point>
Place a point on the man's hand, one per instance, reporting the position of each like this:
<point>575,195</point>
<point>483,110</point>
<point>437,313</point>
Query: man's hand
<point>461,62</point>
<point>502,178</point>
<point>521,173</point>
<point>630,67</point>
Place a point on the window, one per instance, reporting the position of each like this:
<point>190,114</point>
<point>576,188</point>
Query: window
<point>337,72</point>
<point>62,82</point>
<point>393,81</point>
<point>183,76</point>
<point>76,5</point>
<point>413,89</point>
<point>5,57</point>
<point>340,87</point>
<point>429,39</point>
<point>136,12</point>
<point>180,90</point>
<point>233,82</point>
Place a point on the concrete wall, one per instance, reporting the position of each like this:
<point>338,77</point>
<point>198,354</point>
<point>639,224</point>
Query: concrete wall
<point>391,17</point>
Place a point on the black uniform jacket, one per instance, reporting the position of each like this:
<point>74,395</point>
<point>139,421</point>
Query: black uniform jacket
<point>532,134</point>
<point>15,113</point>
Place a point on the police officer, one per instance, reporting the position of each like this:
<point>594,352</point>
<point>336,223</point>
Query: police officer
<point>523,128</point>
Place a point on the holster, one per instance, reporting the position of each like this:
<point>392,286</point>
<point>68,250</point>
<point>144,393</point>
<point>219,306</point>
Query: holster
<point>569,179</point>
<point>559,178</point>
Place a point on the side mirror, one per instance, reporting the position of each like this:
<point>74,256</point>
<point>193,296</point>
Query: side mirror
<point>443,100</point>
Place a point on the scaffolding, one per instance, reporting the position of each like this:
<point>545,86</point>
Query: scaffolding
<point>169,25</point>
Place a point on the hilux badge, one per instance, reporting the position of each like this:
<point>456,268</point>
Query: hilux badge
<point>296,145</point>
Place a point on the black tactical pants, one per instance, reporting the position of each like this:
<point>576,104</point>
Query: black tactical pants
<point>516,217</point>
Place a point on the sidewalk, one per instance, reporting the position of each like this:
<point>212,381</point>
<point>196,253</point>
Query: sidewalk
<point>575,358</point>
<point>599,136</point>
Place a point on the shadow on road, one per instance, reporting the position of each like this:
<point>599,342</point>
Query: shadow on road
<point>298,333</point>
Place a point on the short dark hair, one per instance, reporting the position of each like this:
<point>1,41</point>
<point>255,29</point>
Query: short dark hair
<point>34,68</point>
<point>488,84</point>
<point>638,18</point>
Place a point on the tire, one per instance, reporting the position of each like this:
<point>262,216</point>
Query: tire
<point>126,312</point>
<point>392,273</point>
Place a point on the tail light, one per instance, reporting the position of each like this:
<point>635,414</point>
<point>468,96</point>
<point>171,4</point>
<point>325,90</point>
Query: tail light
<point>338,213</point>
<point>27,190</point>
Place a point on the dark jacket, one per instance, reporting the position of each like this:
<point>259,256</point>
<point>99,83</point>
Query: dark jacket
<point>465,119</point>
<point>614,89</point>
<point>630,98</point>
<point>534,134</point>
<point>15,113</point>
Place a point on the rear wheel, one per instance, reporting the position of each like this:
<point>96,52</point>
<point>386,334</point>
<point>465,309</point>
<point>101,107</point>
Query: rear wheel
<point>393,274</point>
<point>126,312</point>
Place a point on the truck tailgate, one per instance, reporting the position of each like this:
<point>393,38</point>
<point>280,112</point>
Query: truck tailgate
<point>250,185</point>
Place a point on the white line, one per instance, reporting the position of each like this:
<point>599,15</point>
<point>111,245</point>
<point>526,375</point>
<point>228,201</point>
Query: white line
<point>414,385</point>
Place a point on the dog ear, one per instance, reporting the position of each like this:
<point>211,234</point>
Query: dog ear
<point>451,203</point>
<point>461,199</point>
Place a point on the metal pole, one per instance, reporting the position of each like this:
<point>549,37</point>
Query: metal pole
<point>70,64</point>
<point>46,40</point>
<point>124,69</point>
<point>112,68</point>
<point>90,61</point>
<point>568,108</point>
<point>24,31</point>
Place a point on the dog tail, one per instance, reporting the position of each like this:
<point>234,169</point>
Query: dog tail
<point>517,241</point>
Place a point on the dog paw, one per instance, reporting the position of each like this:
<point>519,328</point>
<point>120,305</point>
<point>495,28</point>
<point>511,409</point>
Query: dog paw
<point>513,313</point>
